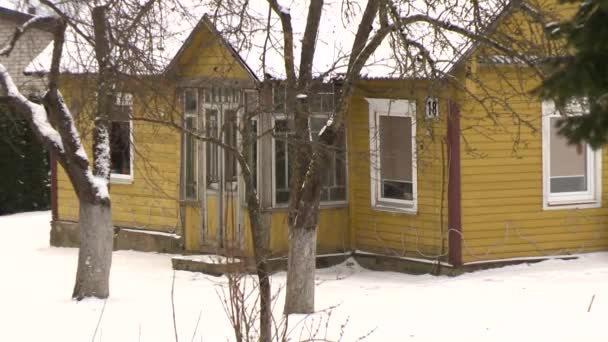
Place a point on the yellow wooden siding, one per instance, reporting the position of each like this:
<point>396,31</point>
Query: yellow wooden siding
<point>207,56</point>
<point>191,228</point>
<point>502,181</point>
<point>151,200</point>
<point>332,233</point>
<point>391,233</point>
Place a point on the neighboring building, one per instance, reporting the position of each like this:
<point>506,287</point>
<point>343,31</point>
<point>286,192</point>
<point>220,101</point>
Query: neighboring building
<point>30,45</point>
<point>428,174</point>
<point>24,165</point>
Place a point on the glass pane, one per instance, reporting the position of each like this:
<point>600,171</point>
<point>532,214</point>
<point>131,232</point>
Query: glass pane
<point>568,163</point>
<point>338,194</point>
<point>230,140</point>
<point>328,102</point>
<point>120,147</point>
<point>227,95</point>
<point>397,190</point>
<point>212,149</point>
<point>281,163</point>
<point>316,124</point>
<point>396,157</point>
<point>190,99</point>
<point>190,156</point>
<point>315,104</point>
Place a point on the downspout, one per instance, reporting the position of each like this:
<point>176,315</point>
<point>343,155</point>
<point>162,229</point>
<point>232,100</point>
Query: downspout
<point>454,185</point>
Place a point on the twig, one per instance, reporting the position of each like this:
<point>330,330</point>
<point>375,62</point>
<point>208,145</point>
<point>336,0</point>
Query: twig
<point>196,326</point>
<point>103,308</point>
<point>173,307</point>
<point>591,303</point>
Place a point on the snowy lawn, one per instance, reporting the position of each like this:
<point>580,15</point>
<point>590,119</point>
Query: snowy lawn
<point>547,301</point>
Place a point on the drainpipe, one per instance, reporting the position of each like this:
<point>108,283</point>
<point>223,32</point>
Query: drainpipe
<point>454,185</point>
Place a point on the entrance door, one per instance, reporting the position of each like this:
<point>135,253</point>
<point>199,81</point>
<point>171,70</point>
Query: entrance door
<point>222,212</point>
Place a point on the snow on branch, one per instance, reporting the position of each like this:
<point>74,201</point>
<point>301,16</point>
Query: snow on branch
<point>37,114</point>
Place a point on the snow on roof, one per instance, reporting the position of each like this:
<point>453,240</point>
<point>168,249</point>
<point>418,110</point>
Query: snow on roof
<point>262,49</point>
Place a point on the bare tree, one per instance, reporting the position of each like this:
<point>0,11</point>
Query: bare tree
<point>110,41</point>
<point>404,39</point>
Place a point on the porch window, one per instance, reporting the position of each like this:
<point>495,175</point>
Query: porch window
<point>282,164</point>
<point>392,154</point>
<point>121,149</point>
<point>190,144</point>
<point>230,139</point>
<point>211,128</point>
<point>571,173</point>
<point>333,176</point>
<point>221,123</point>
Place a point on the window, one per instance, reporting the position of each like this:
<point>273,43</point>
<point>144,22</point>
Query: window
<point>393,154</point>
<point>571,173</point>
<point>121,154</point>
<point>230,131</point>
<point>190,144</point>
<point>213,151</point>
<point>334,176</point>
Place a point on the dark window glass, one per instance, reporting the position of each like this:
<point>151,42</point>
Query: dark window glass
<point>230,140</point>
<point>212,149</point>
<point>190,100</point>
<point>396,157</point>
<point>190,156</point>
<point>282,164</point>
<point>120,147</point>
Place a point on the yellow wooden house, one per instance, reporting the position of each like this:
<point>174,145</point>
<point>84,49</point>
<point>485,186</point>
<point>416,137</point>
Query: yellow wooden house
<point>452,173</point>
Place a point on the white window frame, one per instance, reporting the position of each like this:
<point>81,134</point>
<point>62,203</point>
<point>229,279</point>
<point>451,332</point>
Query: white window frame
<point>398,108</point>
<point>281,116</point>
<point>119,178</point>
<point>273,120</point>
<point>194,115</point>
<point>569,200</point>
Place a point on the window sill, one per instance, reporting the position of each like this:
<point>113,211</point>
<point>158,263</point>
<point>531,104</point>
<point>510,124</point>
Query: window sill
<point>121,179</point>
<point>572,205</point>
<point>396,210</point>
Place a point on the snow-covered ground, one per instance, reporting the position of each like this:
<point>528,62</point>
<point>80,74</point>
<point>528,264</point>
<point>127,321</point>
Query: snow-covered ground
<point>547,301</point>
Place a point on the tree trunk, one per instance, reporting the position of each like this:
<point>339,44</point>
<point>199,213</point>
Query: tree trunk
<point>259,232</point>
<point>300,296</point>
<point>95,255</point>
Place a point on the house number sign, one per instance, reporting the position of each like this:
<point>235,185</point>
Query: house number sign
<point>432,108</point>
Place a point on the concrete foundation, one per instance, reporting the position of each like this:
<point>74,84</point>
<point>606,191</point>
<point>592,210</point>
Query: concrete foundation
<point>66,234</point>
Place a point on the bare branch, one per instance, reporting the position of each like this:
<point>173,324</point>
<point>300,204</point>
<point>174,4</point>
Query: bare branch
<point>21,30</point>
<point>309,41</point>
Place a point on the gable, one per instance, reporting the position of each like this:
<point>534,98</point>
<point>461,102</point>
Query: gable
<point>206,55</point>
<point>522,29</point>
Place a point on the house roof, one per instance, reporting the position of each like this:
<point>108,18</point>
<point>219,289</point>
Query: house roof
<point>7,14</point>
<point>258,44</point>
